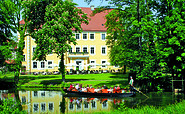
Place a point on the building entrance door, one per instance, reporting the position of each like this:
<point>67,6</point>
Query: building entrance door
<point>79,65</point>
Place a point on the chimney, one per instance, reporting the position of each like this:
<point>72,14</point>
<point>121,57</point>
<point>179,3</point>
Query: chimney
<point>92,7</point>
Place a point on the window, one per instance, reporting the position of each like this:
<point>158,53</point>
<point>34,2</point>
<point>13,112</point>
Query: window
<point>92,62</point>
<point>43,106</point>
<point>34,48</point>
<point>50,106</point>
<point>42,65</point>
<point>93,104</point>
<point>34,64</point>
<point>23,99</point>
<point>77,49</point>
<point>35,93</point>
<point>92,36</point>
<point>85,49</point>
<point>71,106</point>
<point>103,50</point>
<point>43,93</point>
<point>77,36</point>
<point>85,36</point>
<point>24,59</point>
<point>50,64</point>
<point>92,50</point>
<point>35,107</point>
<point>103,36</point>
<point>103,64</point>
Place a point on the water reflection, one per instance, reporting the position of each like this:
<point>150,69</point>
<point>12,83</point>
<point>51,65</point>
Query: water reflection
<point>36,102</point>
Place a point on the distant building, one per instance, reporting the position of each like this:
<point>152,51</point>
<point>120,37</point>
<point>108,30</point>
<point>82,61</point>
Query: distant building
<point>91,49</point>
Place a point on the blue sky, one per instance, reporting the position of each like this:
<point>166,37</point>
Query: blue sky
<point>96,3</point>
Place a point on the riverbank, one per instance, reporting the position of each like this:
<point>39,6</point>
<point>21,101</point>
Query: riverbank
<point>177,108</point>
<point>55,81</point>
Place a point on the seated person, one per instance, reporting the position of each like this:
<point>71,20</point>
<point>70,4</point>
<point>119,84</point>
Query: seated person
<point>118,87</point>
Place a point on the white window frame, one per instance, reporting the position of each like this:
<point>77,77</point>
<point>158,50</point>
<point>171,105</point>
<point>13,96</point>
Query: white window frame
<point>41,107</point>
<point>37,64</point>
<point>41,64</point>
<point>32,49</point>
<point>50,65</point>
<point>44,93</point>
<point>53,106</point>
<point>90,36</point>
<point>83,48</point>
<point>38,107</point>
<point>105,63</point>
<point>76,47</point>
<point>34,95</point>
<point>105,36</point>
<point>94,63</point>
<point>95,104</point>
<point>94,50</point>
<point>83,36</point>
<point>105,50</point>
<point>79,36</point>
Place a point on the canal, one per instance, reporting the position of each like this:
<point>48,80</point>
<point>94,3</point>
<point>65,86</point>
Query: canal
<point>36,102</point>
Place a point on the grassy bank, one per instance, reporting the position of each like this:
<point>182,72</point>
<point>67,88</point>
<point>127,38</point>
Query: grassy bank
<point>177,108</point>
<point>55,81</point>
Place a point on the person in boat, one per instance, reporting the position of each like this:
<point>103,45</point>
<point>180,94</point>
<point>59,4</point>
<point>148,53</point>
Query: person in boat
<point>77,86</point>
<point>91,86</point>
<point>96,90</point>
<point>87,86</point>
<point>131,83</point>
<point>105,87</point>
<point>84,89</point>
<point>70,87</point>
<point>118,88</point>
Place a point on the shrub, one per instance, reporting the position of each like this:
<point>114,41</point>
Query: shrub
<point>8,106</point>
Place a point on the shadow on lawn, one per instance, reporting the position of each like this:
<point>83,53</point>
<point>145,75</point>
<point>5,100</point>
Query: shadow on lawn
<point>122,83</point>
<point>37,77</point>
<point>59,81</point>
<point>119,75</point>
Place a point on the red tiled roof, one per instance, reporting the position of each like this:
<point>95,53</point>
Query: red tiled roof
<point>96,22</point>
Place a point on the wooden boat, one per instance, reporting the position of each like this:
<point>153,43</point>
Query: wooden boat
<point>99,94</point>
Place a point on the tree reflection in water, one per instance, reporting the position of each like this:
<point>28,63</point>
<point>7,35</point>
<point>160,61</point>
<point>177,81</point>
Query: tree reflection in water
<point>55,102</point>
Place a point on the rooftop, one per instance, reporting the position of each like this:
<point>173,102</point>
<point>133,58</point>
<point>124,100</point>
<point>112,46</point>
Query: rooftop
<point>96,22</point>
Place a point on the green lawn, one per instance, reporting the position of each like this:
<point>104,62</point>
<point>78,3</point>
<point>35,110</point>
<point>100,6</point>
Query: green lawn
<point>110,79</point>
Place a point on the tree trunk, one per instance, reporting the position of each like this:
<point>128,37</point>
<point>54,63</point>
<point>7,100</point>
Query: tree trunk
<point>62,67</point>
<point>124,72</point>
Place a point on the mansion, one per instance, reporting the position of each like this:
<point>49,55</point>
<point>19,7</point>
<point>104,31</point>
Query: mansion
<point>90,51</point>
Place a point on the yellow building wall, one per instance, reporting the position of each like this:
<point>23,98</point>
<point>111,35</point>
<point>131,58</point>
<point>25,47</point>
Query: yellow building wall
<point>97,42</point>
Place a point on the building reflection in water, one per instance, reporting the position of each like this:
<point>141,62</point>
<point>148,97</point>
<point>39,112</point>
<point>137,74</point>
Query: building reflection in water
<point>53,102</point>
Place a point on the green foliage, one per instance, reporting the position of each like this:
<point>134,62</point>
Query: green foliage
<point>146,41</point>
<point>52,29</point>
<point>9,106</point>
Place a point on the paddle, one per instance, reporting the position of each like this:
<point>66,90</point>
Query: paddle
<point>140,92</point>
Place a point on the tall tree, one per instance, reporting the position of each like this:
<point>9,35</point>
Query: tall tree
<point>52,29</point>
<point>13,9</point>
<point>131,36</point>
<point>171,34</point>
<point>6,26</point>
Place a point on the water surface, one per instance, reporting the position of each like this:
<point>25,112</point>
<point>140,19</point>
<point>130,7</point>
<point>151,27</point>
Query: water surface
<point>36,102</point>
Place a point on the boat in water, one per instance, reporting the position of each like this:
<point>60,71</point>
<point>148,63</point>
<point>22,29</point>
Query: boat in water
<point>102,93</point>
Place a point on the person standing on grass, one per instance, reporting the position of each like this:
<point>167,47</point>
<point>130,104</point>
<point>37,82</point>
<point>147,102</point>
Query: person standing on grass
<point>131,83</point>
